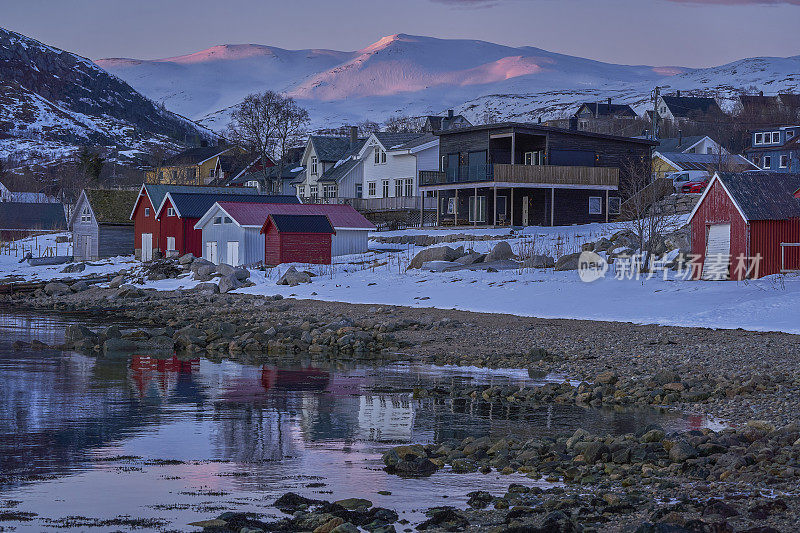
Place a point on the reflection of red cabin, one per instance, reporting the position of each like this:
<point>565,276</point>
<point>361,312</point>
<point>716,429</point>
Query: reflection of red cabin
<point>311,379</point>
<point>145,369</point>
<point>297,239</point>
<point>745,215</point>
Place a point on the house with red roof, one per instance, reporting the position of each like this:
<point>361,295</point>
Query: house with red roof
<point>233,232</point>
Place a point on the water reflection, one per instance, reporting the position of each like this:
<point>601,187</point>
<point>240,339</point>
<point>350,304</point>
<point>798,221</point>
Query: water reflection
<point>67,415</point>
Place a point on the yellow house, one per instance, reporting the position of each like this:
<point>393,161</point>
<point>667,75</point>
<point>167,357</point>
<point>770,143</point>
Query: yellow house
<point>195,166</point>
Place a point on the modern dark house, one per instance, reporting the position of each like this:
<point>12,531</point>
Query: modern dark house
<point>530,174</point>
<point>100,224</point>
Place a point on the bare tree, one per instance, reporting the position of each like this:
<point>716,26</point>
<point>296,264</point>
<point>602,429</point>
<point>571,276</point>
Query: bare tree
<point>640,211</point>
<point>404,124</point>
<point>290,131</point>
<point>254,123</point>
<point>365,127</point>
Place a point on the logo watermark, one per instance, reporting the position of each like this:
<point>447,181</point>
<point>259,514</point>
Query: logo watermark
<point>717,267</point>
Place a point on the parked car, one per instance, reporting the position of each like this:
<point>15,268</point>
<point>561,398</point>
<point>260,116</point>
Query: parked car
<point>679,179</point>
<point>695,186</point>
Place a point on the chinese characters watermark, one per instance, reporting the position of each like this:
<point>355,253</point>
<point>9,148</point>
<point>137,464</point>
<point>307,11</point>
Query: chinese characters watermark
<point>717,267</point>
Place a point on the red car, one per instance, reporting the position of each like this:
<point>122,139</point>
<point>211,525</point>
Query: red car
<point>695,186</point>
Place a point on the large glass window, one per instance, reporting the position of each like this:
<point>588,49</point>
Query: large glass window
<point>385,191</point>
<point>595,205</point>
<point>477,209</point>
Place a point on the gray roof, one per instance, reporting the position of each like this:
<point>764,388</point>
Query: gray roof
<point>418,141</point>
<point>678,144</point>
<point>604,109</point>
<point>764,195</point>
<point>708,162</point>
<point>338,172</point>
<point>34,217</point>
<point>193,205</point>
<point>302,223</point>
<point>683,106</point>
<point>334,148</point>
<point>393,141</point>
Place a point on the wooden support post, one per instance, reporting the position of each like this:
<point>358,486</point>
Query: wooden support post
<point>511,220</point>
<point>438,207</point>
<point>552,205</point>
<point>606,205</point>
<point>421,208</point>
<point>475,209</point>
<point>513,147</point>
<point>455,222</point>
<point>494,208</point>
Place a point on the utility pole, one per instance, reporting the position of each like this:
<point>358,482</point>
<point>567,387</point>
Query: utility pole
<point>656,94</point>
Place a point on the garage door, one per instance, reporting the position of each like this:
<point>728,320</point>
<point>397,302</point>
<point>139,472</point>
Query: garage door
<point>718,252</point>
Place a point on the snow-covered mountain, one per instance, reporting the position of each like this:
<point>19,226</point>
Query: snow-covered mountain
<point>53,101</point>
<point>406,74</point>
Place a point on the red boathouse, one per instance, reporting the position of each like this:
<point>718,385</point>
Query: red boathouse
<point>297,239</point>
<point>747,225</point>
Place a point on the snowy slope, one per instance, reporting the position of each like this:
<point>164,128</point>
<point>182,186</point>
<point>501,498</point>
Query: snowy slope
<point>418,75</point>
<point>52,101</point>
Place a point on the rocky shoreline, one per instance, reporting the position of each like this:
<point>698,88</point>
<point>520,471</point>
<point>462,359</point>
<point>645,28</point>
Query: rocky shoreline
<point>736,479</point>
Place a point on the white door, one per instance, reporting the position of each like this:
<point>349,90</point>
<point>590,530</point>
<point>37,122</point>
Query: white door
<point>524,210</point>
<point>211,252</point>
<point>233,253</point>
<point>170,246</point>
<point>147,246</point>
<point>718,252</point>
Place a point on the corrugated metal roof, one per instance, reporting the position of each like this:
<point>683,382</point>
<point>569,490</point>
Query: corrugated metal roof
<point>707,162</point>
<point>678,144</point>
<point>341,216</point>
<point>157,191</point>
<point>764,195</point>
<point>338,172</point>
<point>194,205</point>
<point>301,223</point>
<point>25,216</point>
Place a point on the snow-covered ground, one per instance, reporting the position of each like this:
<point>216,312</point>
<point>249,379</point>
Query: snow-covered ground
<point>380,277</point>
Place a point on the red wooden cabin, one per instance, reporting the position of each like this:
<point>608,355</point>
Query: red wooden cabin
<point>297,239</point>
<point>742,224</point>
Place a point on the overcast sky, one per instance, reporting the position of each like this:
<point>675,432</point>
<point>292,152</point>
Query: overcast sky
<point>692,33</point>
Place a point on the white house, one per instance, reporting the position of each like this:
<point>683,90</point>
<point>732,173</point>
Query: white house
<point>322,155</point>
<point>392,161</point>
<point>695,144</point>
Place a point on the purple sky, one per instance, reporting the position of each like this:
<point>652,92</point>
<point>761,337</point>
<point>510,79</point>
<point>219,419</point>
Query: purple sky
<point>656,32</point>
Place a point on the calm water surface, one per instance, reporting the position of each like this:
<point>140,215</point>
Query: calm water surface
<point>183,440</point>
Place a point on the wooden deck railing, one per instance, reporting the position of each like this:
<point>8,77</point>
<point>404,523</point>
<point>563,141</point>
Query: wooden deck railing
<point>533,174</point>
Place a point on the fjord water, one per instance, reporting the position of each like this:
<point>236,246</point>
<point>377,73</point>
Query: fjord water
<point>88,440</point>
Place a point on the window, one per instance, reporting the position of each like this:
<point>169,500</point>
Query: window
<point>251,183</point>
<point>211,172</point>
<point>614,205</point>
<point>534,158</point>
<point>313,166</point>
<point>784,161</point>
<point>301,191</point>
<point>776,136</point>
<point>217,220</point>
<point>313,191</point>
<point>371,188</point>
<point>227,220</point>
<point>409,187</point>
<point>170,244</point>
<point>595,205</point>
<point>789,134</point>
<point>583,124</point>
<point>87,217</point>
<point>329,191</point>
<point>383,157</point>
<point>170,212</point>
<point>767,161</point>
<point>385,186</point>
<point>191,173</point>
<point>709,150</point>
<point>359,190</point>
<point>398,188</point>
<point>477,209</point>
<point>451,206</point>
<point>759,138</point>
<point>147,211</point>
<point>377,156</point>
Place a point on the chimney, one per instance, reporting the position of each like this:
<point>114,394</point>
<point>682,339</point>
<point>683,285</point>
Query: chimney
<point>679,94</point>
<point>680,137</point>
<point>596,109</point>
<point>760,93</point>
<point>573,123</point>
<point>450,114</point>
<point>609,105</point>
<point>353,135</point>
<point>540,120</point>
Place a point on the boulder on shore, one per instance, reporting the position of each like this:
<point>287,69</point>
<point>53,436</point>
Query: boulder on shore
<point>502,250</point>
<point>568,262</point>
<point>293,277</point>
<point>440,253</point>
<point>56,288</point>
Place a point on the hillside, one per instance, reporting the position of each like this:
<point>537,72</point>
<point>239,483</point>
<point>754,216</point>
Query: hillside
<point>418,75</point>
<point>52,101</point>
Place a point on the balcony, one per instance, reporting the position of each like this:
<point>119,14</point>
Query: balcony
<point>541,175</point>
